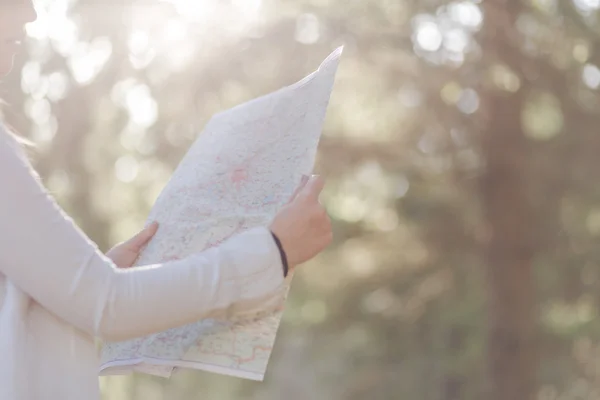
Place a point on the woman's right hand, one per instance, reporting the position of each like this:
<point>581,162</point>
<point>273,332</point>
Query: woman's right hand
<point>303,226</point>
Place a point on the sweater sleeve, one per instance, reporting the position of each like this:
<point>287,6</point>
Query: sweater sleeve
<point>45,254</point>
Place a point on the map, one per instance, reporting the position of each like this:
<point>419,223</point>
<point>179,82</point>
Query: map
<point>239,172</point>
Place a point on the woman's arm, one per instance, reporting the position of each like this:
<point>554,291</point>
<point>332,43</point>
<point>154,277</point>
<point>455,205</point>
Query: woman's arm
<point>44,253</point>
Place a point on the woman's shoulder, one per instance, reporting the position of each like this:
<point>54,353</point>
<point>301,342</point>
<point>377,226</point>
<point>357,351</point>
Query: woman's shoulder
<point>10,139</point>
<point>12,154</point>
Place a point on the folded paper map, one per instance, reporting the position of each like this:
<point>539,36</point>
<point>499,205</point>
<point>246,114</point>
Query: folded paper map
<point>239,172</point>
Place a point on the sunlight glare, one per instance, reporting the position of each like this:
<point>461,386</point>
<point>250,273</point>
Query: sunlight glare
<point>587,5</point>
<point>591,76</point>
<point>249,7</point>
<point>138,42</point>
<point>402,186</point>
<point>358,258</point>
<point>141,106</point>
<point>140,52</point>
<point>30,76</point>
<point>53,23</point>
<point>58,86</point>
<point>468,102</point>
<point>88,59</point>
<point>467,14</point>
<point>39,110</point>
<point>428,36</point>
<point>456,40</point>
<point>175,31</point>
<point>126,169</point>
<point>307,29</point>
<point>194,10</point>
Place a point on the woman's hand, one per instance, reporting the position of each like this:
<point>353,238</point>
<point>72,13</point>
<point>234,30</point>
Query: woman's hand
<point>303,226</point>
<point>124,254</point>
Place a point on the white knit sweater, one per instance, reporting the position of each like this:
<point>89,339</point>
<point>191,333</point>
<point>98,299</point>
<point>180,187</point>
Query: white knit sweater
<point>57,291</point>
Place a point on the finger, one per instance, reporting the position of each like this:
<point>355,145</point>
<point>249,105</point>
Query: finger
<point>314,187</point>
<point>301,186</point>
<point>143,236</point>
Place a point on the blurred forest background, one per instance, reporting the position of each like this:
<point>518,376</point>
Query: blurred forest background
<point>461,150</point>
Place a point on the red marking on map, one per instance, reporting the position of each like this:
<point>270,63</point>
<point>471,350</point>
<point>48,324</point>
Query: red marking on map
<point>239,176</point>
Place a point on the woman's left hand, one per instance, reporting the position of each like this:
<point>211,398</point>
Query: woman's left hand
<point>124,254</point>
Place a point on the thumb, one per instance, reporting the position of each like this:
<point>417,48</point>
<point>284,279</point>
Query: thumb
<point>143,236</point>
<point>299,188</point>
<point>314,187</point>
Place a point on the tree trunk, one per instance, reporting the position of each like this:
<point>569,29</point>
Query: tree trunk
<point>509,247</point>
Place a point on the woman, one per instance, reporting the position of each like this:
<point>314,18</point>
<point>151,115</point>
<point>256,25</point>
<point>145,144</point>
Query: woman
<point>57,291</point>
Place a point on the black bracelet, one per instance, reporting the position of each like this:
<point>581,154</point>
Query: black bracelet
<point>284,261</point>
